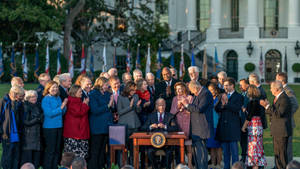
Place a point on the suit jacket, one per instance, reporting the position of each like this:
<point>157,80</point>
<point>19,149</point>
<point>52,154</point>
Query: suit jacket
<point>169,121</point>
<point>40,91</point>
<point>160,91</point>
<point>128,115</point>
<point>294,103</point>
<point>229,127</point>
<point>280,117</point>
<point>62,93</point>
<point>202,114</point>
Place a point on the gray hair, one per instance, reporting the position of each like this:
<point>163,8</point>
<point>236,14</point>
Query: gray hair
<point>78,163</point>
<point>63,77</point>
<point>30,93</point>
<point>159,99</point>
<point>28,166</point>
<point>253,77</point>
<point>277,85</point>
<point>222,73</point>
<point>136,71</point>
<point>194,84</point>
<point>195,68</point>
<point>149,74</point>
<point>181,166</point>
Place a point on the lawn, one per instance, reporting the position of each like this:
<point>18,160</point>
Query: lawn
<point>268,145</point>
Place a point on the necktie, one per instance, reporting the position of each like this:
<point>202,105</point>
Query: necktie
<point>116,97</point>
<point>228,95</point>
<point>152,89</point>
<point>160,118</point>
<point>275,99</point>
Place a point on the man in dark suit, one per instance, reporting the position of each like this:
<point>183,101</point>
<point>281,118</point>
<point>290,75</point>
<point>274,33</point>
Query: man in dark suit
<point>229,128</point>
<point>244,85</point>
<point>115,87</point>
<point>150,78</point>
<point>280,119</point>
<point>201,110</point>
<point>86,86</point>
<point>282,77</point>
<point>165,89</point>
<point>160,121</point>
<point>65,82</point>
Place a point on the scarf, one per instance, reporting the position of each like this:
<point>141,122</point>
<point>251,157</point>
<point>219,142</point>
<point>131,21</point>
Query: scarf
<point>144,95</point>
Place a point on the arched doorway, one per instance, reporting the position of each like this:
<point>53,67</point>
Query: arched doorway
<point>272,64</point>
<point>232,64</point>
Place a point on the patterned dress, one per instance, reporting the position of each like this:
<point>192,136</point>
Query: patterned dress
<point>255,155</point>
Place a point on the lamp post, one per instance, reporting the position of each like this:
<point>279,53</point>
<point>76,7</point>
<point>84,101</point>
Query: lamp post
<point>297,48</point>
<point>250,48</point>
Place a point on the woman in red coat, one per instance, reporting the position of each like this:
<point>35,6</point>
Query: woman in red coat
<point>76,124</point>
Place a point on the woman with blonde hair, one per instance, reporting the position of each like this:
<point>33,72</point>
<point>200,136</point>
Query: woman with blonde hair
<point>255,155</point>
<point>54,110</point>
<point>100,118</point>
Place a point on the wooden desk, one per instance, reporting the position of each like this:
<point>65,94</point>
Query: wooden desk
<point>143,139</point>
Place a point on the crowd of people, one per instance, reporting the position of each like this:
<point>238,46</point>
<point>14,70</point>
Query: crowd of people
<point>42,126</point>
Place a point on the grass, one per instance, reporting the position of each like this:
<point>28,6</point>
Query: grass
<point>268,144</point>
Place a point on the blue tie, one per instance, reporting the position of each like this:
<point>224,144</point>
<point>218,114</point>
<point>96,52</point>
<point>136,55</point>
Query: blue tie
<point>228,95</point>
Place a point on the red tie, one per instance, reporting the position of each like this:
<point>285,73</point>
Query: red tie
<point>160,118</point>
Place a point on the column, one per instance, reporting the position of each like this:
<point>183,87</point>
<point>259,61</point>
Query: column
<point>215,23</point>
<point>191,14</point>
<point>294,19</point>
<point>251,30</point>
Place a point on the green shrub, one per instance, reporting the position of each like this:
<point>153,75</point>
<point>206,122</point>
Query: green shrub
<point>249,67</point>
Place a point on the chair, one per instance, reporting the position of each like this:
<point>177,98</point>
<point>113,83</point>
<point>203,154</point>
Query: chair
<point>117,135</point>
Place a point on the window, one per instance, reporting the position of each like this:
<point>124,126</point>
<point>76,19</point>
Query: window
<point>203,14</point>
<point>121,62</point>
<point>271,14</point>
<point>234,15</point>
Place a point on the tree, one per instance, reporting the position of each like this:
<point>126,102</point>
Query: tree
<point>21,19</point>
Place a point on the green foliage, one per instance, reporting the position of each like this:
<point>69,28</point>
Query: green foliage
<point>21,19</point>
<point>296,67</point>
<point>249,67</point>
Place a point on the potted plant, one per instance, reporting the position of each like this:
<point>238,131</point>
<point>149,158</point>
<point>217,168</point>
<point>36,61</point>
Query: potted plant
<point>296,68</point>
<point>249,67</point>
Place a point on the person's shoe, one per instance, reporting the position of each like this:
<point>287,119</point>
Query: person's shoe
<point>209,162</point>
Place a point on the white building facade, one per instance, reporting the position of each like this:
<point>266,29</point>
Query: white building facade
<point>271,26</point>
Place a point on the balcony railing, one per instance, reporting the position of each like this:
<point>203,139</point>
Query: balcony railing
<point>227,33</point>
<point>281,32</point>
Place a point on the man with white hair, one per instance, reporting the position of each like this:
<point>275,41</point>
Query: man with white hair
<point>194,73</point>
<point>65,82</point>
<point>283,78</point>
<point>150,78</point>
<point>137,74</point>
<point>11,118</point>
<point>280,119</point>
<point>222,76</point>
<point>113,72</point>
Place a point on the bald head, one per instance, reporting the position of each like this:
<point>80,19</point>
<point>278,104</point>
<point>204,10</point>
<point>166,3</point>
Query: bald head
<point>166,74</point>
<point>27,166</point>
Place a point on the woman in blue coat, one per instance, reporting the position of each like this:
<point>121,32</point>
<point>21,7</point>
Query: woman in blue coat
<point>100,118</point>
<point>54,110</point>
